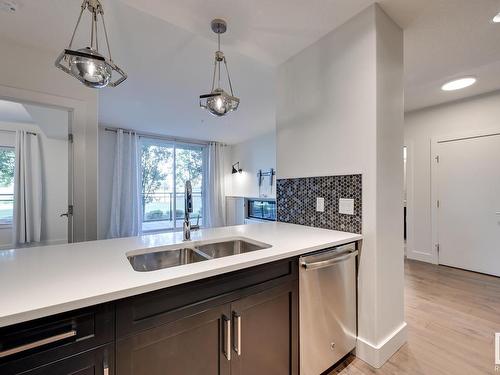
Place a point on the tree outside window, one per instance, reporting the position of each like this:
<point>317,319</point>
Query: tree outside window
<point>165,167</point>
<point>7,166</point>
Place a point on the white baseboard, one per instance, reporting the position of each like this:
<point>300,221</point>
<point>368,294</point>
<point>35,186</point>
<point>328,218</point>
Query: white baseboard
<point>421,256</point>
<point>377,355</point>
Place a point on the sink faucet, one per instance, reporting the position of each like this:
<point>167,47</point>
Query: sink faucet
<point>188,208</point>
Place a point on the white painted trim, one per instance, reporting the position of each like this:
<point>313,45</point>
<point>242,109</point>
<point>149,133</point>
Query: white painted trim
<point>410,230</point>
<point>85,193</point>
<point>465,134</point>
<point>377,355</point>
<point>422,256</point>
<point>411,252</point>
<point>434,198</point>
<point>435,141</point>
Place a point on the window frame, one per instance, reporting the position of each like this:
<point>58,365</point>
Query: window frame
<point>9,225</point>
<point>165,142</point>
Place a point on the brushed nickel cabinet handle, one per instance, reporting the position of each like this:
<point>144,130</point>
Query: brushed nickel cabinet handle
<point>36,344</point>
<point>227,337</point>
<point>237,332</point>
<point>105,365</point>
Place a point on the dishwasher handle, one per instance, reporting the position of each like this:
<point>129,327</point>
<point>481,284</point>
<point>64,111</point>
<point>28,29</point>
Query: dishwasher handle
<point>328,262</point>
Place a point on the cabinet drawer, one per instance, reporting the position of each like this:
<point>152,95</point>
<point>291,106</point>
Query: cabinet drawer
<point>99,361</point>
<point>28,345</point>
<point>149,310</point>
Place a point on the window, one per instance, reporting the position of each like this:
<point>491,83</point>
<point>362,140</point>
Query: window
<point>165,166</point>
<point>261,209</point>
<point>7,165</point>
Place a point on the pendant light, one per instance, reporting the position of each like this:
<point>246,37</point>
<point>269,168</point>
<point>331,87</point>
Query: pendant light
<point>219,102</point>
<point>86,64</point>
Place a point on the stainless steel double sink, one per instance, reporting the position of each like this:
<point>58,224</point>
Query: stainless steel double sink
<point>192,253</point>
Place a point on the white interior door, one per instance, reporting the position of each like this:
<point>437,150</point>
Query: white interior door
<point>468,217</point>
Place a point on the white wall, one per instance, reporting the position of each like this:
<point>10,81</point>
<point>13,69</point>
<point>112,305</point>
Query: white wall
<point>465,117</point>
<point>55,183</point>
<point>254,154</point>
<point>340,111</point>
<point>29,75</point>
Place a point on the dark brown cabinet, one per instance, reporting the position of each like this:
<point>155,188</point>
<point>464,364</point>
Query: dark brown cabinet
<point>193,345</point>
<point>264,333</point>
<point>239,323</point>
<point>99,361</point>
<point>245,324</point>
<point>252,335</point>
<point>50,341</point>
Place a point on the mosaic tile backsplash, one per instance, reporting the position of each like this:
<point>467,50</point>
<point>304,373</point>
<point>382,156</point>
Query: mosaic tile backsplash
<point>296,201</point>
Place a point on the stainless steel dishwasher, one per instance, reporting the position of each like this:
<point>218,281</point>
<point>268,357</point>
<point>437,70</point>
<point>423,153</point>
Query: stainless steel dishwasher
<point>327,303</point>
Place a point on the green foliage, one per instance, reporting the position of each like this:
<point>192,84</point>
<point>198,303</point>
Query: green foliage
<point>155,215</point>
<point>7,165</point>
<point>157,167</point>
<point>153,158</point>
<point>189,167</point>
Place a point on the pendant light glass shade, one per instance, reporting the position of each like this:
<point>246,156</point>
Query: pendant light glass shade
<point>86,64</point>
<point>91,71</point>
<point>219,102</point>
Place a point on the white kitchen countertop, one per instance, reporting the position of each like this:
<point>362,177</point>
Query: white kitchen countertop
<point>41,281</point>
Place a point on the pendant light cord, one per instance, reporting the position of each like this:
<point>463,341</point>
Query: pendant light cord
<point>218,46</point>
<point>106,35</point>
<point>93,34</point>
<point>84,5</point>
<point>228,77</point>
<point>213,78</point>
<point>219,58</point>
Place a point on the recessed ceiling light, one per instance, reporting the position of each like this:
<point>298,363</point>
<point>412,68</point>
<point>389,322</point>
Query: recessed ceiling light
<point>496,19</point>
<point>458,84</point>
<point>9,6</point>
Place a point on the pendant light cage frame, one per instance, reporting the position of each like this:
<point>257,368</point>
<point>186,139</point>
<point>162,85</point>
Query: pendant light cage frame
<point>219,27</point>
<point>63,60</point>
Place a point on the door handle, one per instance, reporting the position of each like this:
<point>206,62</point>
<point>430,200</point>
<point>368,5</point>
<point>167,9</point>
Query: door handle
<point>227,337</point>
<point>69,212</point>
<point>237,332</point>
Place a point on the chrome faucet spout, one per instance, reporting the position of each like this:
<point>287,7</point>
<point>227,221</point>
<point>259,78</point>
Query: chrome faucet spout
<point>188,208</point>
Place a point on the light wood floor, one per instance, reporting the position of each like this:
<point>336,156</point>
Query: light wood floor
<point>452,316</point>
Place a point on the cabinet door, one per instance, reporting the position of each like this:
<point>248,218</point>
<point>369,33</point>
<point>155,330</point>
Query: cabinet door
<point>193,345</point>
<point>265,332</point>
<point>98,361</point>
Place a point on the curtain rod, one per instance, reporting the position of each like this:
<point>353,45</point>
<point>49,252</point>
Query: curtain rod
<point>13,131</point>
<point>158,136</point>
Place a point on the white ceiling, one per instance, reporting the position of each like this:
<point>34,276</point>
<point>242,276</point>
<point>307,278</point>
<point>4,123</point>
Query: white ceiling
<point>14,112</point>
<point>166,46</point>
<point>270,31</point>
<point>450,39</point>
<point>52,122</point>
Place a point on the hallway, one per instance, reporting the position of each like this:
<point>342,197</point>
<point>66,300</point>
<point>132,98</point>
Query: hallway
<point>452,318</point>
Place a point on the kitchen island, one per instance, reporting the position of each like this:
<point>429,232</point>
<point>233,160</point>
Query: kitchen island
<point>126,316</point>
